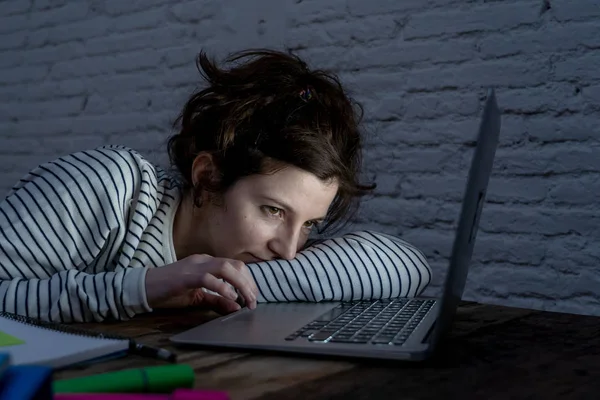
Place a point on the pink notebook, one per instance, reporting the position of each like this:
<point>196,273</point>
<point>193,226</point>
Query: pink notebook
<point>179,394</point>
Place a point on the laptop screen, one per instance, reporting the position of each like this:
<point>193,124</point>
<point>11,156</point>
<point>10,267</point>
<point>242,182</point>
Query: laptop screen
<point>477,182</point>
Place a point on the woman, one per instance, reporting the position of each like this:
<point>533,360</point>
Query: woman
<point>266,154</point>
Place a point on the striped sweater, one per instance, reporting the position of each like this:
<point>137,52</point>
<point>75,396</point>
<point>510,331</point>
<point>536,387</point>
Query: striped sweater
<point>78,234</point>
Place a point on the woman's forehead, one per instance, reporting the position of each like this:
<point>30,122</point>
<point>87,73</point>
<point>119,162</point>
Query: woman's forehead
<point>296,188</point>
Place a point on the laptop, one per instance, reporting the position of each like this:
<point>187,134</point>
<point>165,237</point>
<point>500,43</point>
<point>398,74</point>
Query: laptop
<point>394,329</point>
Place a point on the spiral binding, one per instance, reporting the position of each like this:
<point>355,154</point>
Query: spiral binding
<point>62,328</point>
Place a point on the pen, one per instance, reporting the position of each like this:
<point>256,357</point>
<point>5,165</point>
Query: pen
<point>149,351</point>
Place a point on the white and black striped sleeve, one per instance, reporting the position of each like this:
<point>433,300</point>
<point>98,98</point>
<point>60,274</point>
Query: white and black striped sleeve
<point>58,227</point>
<point>357,266</point>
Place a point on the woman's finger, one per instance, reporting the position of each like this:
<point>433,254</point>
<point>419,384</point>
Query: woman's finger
<point>212,283</point>
<point>220,304</point>
<point>231,271</point>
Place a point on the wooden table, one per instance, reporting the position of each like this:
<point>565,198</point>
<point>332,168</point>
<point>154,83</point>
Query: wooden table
<point>493,352</point>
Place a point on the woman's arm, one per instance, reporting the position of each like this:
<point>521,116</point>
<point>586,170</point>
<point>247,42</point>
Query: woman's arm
<point>60,228</point>
<point>359,265</point>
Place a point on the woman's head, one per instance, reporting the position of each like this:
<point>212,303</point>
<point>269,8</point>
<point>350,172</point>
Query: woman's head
<point>265,112</point>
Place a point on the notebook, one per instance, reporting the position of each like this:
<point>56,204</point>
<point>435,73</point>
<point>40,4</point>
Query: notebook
<point>33,342</point>
<point>26,382</point>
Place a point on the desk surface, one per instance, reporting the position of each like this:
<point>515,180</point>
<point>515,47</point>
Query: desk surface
<point>493,352</point>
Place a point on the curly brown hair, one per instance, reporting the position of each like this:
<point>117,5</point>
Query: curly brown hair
<point>266,111</point>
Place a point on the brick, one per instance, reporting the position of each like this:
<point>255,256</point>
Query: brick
<point>11,58</point>
<point>309,12</point>
<point>501,73</point>
<point>13,41</point>
<point>146,19</point>
<point>451,188</point>
<point>369,83</point>
<point>145,59</point>
<point>383,108</point>
<point>118,7</point>
<point>420,106</point>
<point>182,76</point>
<point>490,17</point>
<point>511,249</point>
<point>80,30</point>
<point>72,11</point>
<point>23,74</point>
<point>510,189</point>
<point>51,145</point>
<point>48,4</point>
<point>130,101</point>
<point>547,39</point>
<point>546,129</point>
<point>97,105</point>
<point>45,90</point>
<point>49,54</point>
<point>180,56</point>
<point>488,248</point>
<point>20,164</point>
<point>566,10</point>
<point>438,186</point>
<point>361,8</point>
<point>388,184</point>
<point>577,69</point>
<point>432,242</point>
<point>592,94</point>
<point>15,7</point>
<point>49,126</point>
<point>396,54</point>
<point>423,160</point>
<point>446,130</point>
<point>146,141</point>
<point>571,252</point>
<point>158,38</point>
<point>344,32</point>
<point>548,160</point>
<point>549,222</point>
<point>408,214</point>
<point>195,12</point>
<point>130,81</point>
<point>7,180</point>
<point>121,123</point>
<point>585,190</point>
<point>508,281</point>
<point>14,23</point>
<point>56,108</point>
<point>553,97</point>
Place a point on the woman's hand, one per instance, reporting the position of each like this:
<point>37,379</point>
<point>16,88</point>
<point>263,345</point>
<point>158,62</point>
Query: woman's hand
<point>181,284</point>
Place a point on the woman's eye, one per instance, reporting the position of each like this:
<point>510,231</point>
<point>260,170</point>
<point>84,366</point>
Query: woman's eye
<point>273,210</point>
<point>309,224</point>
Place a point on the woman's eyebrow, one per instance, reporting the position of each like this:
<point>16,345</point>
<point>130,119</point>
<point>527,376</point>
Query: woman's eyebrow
<point>288,208</point>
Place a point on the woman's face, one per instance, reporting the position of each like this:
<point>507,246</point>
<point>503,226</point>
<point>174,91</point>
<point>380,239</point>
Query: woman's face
<point>263,217</point>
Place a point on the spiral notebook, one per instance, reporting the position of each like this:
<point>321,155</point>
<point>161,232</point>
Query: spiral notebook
<point>33,342</point>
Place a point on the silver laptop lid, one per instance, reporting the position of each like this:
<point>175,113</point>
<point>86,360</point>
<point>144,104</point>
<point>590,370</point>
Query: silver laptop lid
<point>479,174</point>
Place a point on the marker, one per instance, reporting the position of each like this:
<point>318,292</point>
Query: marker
<point>160,379</point>
<point>154,352</point>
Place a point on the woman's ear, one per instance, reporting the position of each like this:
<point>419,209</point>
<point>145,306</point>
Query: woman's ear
<point>204,169</point>
<point>205,179</point>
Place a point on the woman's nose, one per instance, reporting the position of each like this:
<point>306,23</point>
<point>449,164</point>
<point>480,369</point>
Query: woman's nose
<point>285,246</point>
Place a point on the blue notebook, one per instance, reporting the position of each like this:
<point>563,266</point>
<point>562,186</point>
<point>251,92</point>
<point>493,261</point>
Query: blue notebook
<point>4,363</point>
<point>26,382</point>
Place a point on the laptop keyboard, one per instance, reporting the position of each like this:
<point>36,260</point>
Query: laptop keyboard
<point>376,322</point>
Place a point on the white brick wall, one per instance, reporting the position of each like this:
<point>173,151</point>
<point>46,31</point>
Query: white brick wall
<point>77,74</point>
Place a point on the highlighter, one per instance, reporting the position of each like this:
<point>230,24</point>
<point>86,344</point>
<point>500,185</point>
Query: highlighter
<point>179,394</point>
<point>160,379</point>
